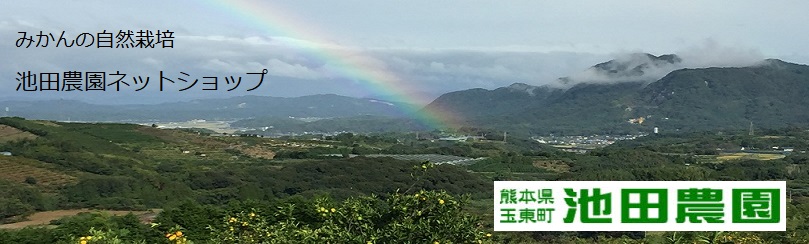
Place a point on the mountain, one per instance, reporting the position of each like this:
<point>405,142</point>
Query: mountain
<point>613,96</point>
<point>600,93</point>
<point>502,101</point>
<point>322,106</point>
<point>771,94</point>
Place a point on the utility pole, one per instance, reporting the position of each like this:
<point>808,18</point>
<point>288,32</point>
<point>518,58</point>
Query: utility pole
<point>751,128</point>
<point>790,195</point>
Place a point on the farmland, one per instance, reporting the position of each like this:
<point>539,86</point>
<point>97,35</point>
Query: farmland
<point>8,133</point>
<point>750,156</point>
<point>19,170</point>
<point>44,218</point>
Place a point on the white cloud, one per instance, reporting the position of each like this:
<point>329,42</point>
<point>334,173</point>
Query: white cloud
<point>430,70</point>
<point>280,68</point>
<point>217,65</point>
<point>152,62</point>
<point>707,54</point>
<point>712,54</point>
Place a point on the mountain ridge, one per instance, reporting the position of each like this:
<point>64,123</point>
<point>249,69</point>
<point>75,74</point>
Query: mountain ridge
<point>320,105</point>
<point>769,93</point>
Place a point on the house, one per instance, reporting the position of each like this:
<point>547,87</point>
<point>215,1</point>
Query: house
<point>5,153</point>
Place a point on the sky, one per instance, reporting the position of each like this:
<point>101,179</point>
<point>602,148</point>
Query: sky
<point>398,50</point>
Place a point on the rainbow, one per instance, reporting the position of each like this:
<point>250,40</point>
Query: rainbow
<point>350,63</point>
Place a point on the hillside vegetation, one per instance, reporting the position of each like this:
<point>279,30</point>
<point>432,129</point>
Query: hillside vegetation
<point>208,190</point>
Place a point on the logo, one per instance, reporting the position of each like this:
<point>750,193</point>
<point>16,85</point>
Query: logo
<point>640,205</point>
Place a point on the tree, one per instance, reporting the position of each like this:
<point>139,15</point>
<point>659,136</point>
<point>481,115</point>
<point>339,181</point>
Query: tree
<point>30,180</point>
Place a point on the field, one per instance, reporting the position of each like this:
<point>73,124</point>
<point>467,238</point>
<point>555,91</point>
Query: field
<point>17,169</point>
<point>45,217</point>
<point>218,126</point>
<point>8,133</point>
<point>754,156</point>
<point>552,165</point>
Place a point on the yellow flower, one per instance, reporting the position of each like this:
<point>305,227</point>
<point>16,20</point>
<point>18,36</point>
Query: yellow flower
<point>333,210</point>
<point>369,242</point>
<point>488,234</point>
<point>252,215</point>
<point>231,228</point>
<point>232,219</point>
<point>322,209</point>
<point>172,237</point>
<point>417,195</point>
<point>83,238</point>
<point>440,201</point>
<point>83,242</point>
<point>89,238</point>
<point>424,166</point>
<point>178,233</point>
<point>244,223</point>
<point>436,242</point>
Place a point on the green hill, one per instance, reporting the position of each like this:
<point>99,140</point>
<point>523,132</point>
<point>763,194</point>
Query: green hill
<point>126,166</point>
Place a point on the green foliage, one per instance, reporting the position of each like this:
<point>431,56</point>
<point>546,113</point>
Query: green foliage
<point>374,199</point>
<point>100,228</point>
<point>19,200</point>
<point>20,123</point>
<point>422,217</point>
<point>507,163</point>
<point>30,180</point>
<point>426,216</point>
<point>193,217</point>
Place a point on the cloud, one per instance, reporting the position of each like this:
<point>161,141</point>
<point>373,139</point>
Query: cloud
<point>632,67</point>
<point>151,61</point>
<point>325,69</point>
<point>712,54</point>
<point>628,67</point>
<point>464,69</point>
<point>330,68</point>
<point>280,68</point>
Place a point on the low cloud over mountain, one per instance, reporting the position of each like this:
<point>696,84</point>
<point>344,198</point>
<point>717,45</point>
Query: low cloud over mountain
<point>633,67</point>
